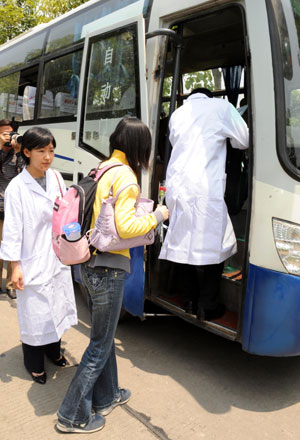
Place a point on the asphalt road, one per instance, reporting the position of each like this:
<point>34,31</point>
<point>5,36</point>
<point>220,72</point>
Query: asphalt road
<point>186,384</point>
<point>207,387</point>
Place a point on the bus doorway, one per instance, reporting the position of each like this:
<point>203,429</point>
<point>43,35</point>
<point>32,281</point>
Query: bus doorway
<point>214,55</point>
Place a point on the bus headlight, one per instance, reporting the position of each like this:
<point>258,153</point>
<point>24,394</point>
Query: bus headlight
<point>287,241</point>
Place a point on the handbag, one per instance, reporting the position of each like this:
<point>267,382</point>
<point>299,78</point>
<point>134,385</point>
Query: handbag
<point>105,237</point>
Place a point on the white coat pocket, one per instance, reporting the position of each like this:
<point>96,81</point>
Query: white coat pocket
<point>37,269</point>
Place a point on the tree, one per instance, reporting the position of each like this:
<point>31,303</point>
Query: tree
<point>211,79</point>
<point>53,8</point>
<point>17,16</point>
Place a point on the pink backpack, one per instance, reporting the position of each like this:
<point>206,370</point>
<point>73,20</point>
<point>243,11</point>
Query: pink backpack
<point>76,205</point>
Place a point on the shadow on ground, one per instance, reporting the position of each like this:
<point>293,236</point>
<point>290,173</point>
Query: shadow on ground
<point>215,371</point>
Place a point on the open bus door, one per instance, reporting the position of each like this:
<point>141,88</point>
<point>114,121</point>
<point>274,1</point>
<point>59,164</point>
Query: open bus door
<point>114,86</point>
<point>213,44</point>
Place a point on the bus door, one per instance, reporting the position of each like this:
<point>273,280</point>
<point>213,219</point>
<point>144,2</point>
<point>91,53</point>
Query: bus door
<point>114,86</point>
<point>214,54</point>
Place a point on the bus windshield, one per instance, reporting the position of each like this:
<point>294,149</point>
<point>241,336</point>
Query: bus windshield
<point>287,17</point>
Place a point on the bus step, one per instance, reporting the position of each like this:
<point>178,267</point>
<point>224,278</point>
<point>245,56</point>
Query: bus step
<point>147,315</point>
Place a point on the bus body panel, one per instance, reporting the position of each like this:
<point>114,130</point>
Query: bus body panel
<point>271,313</point>
<point>118,16</point>
<point>271,201</point>
<point>275,194</point>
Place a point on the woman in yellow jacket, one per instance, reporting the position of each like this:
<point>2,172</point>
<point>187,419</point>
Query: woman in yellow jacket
<point>94,391</point>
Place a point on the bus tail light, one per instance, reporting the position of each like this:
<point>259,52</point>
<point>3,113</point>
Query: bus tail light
<point>287,241</point>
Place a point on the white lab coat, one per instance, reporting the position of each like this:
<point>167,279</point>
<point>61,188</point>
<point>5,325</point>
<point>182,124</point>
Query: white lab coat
<point>200,230</point>
<point>46,307</point>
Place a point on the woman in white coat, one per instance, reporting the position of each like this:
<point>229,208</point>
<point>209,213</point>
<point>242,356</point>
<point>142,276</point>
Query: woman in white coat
<point>45,296</point>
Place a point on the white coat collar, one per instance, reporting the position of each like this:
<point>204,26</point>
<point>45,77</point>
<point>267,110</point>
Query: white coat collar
<point>35,186</point>
<point>197,96</point>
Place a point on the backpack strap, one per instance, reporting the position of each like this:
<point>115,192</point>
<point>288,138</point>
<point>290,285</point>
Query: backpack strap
<point>101,171</point>
<point>61,193</point>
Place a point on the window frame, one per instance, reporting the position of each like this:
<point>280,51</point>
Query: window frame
<point>279,95</point>
<point>91,41</point>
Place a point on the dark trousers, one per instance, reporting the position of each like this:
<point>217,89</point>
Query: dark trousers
<point>34,355</point>
<point>202,285</point>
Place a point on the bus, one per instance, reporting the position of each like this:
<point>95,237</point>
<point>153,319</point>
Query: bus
<point>80,74</point>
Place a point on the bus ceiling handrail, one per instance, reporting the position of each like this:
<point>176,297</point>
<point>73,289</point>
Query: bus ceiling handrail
<point>167,32</point>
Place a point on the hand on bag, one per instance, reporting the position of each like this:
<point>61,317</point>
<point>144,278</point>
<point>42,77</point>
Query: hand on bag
<point>164,210</point>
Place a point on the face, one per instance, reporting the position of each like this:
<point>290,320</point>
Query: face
<point>4,134</point>
<point>40,159</point>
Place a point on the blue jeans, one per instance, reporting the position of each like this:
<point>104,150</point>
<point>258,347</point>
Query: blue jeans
<point>95,384</point>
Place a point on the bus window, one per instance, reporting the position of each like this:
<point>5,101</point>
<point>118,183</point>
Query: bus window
<point>69,31</point>
<point>27,92</point>
<point>287,21</point>
<point>61,84</point>
<point>22,52</point>
<point>9,96</point>
<point>112,88</point>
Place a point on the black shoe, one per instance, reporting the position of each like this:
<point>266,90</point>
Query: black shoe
<point>211,314</point>
<point>61,362</point>
<point>40,379</point>
<point>190,307</point>
<point>11,293</point>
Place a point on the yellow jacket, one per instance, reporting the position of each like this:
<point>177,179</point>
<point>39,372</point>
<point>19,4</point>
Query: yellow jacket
<point>127,224</point>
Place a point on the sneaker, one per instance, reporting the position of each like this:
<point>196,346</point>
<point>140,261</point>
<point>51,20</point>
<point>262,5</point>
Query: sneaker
<point>96,423</point>
<point>123,398</point>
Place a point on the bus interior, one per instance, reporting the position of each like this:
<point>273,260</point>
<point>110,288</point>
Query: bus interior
<point>214,55</point>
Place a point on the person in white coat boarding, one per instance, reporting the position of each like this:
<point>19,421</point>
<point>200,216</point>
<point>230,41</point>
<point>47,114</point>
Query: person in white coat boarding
<point>45,296</point>
<point>200,232</point>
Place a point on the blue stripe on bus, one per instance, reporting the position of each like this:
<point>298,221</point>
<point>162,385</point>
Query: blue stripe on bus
<point>271,324</point>
<point>64,157</point>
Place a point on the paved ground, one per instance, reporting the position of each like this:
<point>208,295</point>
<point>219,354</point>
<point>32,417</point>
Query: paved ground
<point>186,384</point>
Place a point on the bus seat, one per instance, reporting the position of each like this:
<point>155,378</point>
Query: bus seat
<point>28,102</point>
<point>65,104</point>
<point>47,104</point>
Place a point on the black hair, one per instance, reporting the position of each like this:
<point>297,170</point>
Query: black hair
<point>6,123</point>
<point>132,137</point>
<point>203,90</point>
<point>36,137</point>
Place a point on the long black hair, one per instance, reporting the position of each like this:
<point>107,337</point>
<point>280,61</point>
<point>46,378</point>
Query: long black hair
<point>132,137</point>
<point>36,137</point>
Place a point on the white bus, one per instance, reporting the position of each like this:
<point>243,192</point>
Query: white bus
<point>81,73</point>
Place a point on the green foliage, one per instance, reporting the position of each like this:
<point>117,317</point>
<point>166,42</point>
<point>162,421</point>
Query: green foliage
<point>17,16</point>
<point>211,79</point>
<point>199,79</point>
<point>53,8</point>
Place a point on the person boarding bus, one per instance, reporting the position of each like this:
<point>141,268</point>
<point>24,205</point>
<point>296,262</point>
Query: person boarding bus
<point>200,231</point>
